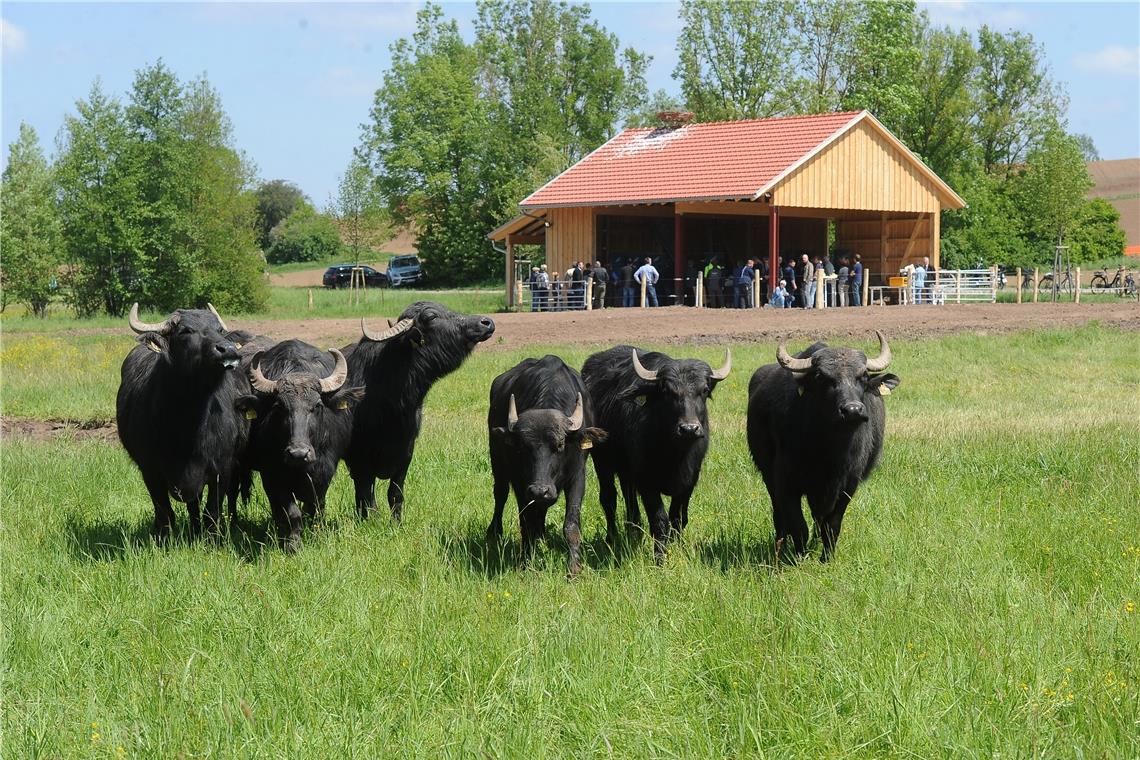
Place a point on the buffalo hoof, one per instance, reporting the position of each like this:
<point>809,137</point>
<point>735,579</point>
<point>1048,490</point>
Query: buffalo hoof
<point>292,544</point>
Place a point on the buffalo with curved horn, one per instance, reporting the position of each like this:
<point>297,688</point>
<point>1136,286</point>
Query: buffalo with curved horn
<point>815,429</point>
<point>302,423</point>
<point>654,409</point>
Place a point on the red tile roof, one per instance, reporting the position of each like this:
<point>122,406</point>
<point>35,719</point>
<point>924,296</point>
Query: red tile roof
<point>714,160</point>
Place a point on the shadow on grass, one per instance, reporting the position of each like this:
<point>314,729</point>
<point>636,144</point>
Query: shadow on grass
<point>112,540</point>
<point>724,553</point>
<point>490,559</point>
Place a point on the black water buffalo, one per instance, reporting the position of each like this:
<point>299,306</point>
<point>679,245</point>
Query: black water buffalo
<point>654,410</point>
<point>302,426</point>
<point>176,416</point>
<point>540,429</point>
<point>247,344</point>
<point>815,429</point>
<point>397,367</point>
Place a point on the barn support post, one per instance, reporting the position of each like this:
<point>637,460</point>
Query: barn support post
<point>678,258</point>
<point>773,248</point>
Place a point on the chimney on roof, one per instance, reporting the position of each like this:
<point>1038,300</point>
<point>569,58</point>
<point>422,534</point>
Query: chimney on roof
<point>674,119</point>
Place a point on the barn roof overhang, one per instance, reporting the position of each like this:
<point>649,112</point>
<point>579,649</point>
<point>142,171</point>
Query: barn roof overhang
<point>526,227</point>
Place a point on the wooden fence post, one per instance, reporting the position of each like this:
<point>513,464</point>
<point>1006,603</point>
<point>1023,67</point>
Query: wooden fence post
<point>644,280</point>
<point>310,299</point>
<point>756,289</point>
<point>866,286</point>
<point>993,284</point>
<point>1019,284</point>
<point>589,294</point>
<point>1077,285</point>
<point>699,291</point>
<point>519,295</point>
<point>819,299</point>
<point>1035,284</point>
<point>958,287</point>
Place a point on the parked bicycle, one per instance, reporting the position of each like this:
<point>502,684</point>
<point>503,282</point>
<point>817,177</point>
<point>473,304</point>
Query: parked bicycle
<point>1064,283</point>
<point>1123,282</point>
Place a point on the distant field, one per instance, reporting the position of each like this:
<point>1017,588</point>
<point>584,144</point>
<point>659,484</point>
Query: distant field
<point>1118,182</point>
<point>982,602</point>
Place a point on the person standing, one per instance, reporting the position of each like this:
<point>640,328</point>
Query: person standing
<point>807,283</point>
<point>744,278</point>
<point>601,279</point>
<point>532,284</point>
<point>842,282</point>
<point>919,280</point>
<point>715,285</point>
<point>625,278</point>
<point>577,277</point>
<point>648,274</point>
<point>857,282</point>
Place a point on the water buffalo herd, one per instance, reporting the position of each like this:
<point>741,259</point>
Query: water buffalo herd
<point>201,407</point>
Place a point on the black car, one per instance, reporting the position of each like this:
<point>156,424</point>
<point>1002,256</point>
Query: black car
<point>340,276</point>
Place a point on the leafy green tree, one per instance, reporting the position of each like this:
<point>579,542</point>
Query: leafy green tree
<point>735,59</point>
<point>29,225</point>
<point>1016,103</point>
<point>883,73</point>
<point>100,207</point>
<point>276,199</point>
<point>357,206</point>
<point>1088,147</point>
<point>1096,233</point>
<point>646,115</point>
<point>826,50</point>
<point>1051,190</point>
<point>304,235</point>
<point>988,231</point>
<point>937,125</point>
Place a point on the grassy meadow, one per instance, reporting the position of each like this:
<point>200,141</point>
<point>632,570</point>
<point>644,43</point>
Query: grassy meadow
<point>983,600</point>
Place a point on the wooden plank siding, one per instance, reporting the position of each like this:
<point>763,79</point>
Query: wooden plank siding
<point>569,238</point>
<point>859,171</point>
<point>890,243</point>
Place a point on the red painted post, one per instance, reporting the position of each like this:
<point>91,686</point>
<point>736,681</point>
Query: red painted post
<point>773,248</point>
<point>678,258</point>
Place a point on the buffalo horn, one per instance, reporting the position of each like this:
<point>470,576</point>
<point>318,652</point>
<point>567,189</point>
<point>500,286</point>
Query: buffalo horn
<point>577,416</point>
<point>790,362</point>
<point>339,374</point>
<point>260,382</point>
<point>142,327</point>
<point>512,414</point>
<point>642,372</point>
<point>722,373</point>
<point>214,311</point>
<point>400,327</point>
<point>880,362</point>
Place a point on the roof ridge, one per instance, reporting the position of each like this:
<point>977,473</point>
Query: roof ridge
<point>748,121</point>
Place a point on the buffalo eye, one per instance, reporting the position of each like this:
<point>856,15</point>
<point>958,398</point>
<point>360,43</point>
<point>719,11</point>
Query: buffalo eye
<point>428,316</point>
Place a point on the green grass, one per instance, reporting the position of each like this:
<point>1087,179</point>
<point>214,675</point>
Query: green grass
<point>982,601</point>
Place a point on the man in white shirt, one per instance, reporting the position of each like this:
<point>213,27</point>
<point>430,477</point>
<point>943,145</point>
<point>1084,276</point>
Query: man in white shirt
<point>648,273</point>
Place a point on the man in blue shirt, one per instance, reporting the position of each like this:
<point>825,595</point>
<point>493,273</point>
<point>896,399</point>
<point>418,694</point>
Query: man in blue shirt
<point>647,273</point>
<point>857,281</point>
<point>744,278</point>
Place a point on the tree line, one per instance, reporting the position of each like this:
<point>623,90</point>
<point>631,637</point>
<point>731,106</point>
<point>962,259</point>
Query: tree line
<point>149,199</point>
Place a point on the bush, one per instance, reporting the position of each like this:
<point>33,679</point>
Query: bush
<point>304,235</point>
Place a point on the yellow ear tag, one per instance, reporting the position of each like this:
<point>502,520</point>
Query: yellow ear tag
<point>800,389</point>
<point>342,404</point>
<point>884,390</point>
<point>237,345</point>
<point>153,346</point>
<point>587,444</point>
<point>251,414</point>
<point>639,400</point>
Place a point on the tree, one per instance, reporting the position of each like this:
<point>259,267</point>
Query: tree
<point>658,101</point>
<point>1016,103</point>
<point>276,200</point>
<point>735,58</point>
<point>304,235</point>
<point>937,124</point>
<point>99,207</point>
<point>826,51</point>
<point>1088,147</point>
<point>1095,233</point>
<point>29,225</point>
<point>357,205</point>
<point>988,231</point>
<point>1051,190</point>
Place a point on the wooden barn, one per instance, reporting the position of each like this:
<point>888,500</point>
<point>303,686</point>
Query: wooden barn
<point>683,193</point>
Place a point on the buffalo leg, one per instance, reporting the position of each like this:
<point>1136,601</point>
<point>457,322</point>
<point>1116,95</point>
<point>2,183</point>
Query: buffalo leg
<point>571,526</point>
<point>532,523</point>
<point>629,494</point>
<point>679,511</point>
<point>607,493</point>
<point>163,513</point>
<point>286,515</point>
<point>658,522</point>
<point>214,506</point>
<point>365,486</point>
<point>830,524</point>
<point>195,513</point>
<point>502,491</point>
<point>788,519</point>
<point>396,492</point>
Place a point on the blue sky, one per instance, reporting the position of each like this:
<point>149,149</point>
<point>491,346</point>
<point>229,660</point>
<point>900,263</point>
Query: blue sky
<point>297,79</point>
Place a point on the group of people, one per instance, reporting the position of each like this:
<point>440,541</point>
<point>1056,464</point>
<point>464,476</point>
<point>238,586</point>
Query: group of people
<point>570,293</point>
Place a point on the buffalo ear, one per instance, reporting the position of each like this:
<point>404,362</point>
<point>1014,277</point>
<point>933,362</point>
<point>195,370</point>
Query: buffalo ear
<point>502,435</point>
<point>154,341</point>
<point>250,404</point>
<point>587,437</point>
<point>345,398</point>
<point>884,384</point>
